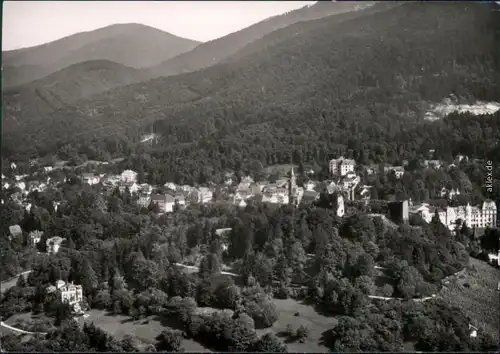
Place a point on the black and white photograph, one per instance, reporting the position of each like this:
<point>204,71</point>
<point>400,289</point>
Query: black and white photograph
<point>250,176</point>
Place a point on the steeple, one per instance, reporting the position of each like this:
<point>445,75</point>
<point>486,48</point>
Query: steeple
<point>292,187</point>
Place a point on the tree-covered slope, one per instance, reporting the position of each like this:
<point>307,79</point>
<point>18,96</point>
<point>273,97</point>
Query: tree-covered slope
<point>65,87</point>
<point>334,86</point>
<point>217,50</point>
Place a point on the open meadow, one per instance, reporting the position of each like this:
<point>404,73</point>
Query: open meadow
<point>307,316</point>
<point>475,293</point>
<point>144,330</point>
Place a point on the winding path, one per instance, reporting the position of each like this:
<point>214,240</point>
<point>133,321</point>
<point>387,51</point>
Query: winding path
<point>421,299</point>
<point>22,331</point>
<point>5,287</point>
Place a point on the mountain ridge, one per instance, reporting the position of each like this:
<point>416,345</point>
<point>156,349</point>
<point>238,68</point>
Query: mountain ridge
<point>212,52</point>
<point>368,76</point>
<point>132,45</point>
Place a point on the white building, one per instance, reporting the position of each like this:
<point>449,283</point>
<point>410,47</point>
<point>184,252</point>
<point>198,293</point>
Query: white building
<point>350,180</point>
<point>206,195</point>
<point>450,194</point>
<point>228,178</point>
<point>128,176</point>
<point>340,205</point>
<point>15,231</point>
<point>144,200</point>
<point>309,186</point>
<point>53,244</point>
<point>341,166</point>
<point>71,293</point>
<point>145,189</point>
<point>399,171</point>
<point>241,196</point>
<point>34,237</point>
<point>275,196</point>
<point>170,185</point>
<point>436,164</point>
<point>68,293</point>
<point>481,217</point>
<point>165,202</point>
<point>132,187</point>
<point>90,178</point>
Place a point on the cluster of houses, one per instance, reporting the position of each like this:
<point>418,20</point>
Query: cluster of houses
<point>34,237</point>
<point>68,293</point>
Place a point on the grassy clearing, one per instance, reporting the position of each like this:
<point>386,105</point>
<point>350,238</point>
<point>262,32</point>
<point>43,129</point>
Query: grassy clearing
<point>6,285</point>
<point>307,316</point>
<point>475,293</point>
<point>144,330</point>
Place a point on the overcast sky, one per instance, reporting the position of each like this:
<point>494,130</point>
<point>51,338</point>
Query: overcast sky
<point>29,23</point>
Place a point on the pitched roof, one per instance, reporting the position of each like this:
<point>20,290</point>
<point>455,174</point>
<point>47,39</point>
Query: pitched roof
<point>309,196</point>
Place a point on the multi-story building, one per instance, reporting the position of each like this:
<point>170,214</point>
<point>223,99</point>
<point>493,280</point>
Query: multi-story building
<point>144,200</point>
<point>68,293</point>
<point>165,202</point>
<point>132,187</point>
<point>436,164</point>
<point>275,195</point>
<point>483,216</point>
<point>342,166</point>
<point>90,178</point>
<point>350,181</point>
<point>34,237</point>
<point>15,231</point>
<point>128,176</point>
<point>399,171</point>
<point>450,194</point>
<point>53,244</point>
<point>309,186</point>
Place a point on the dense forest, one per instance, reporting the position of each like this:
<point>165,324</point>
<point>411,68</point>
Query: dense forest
<point>124,257</point>
<point>326,89</point>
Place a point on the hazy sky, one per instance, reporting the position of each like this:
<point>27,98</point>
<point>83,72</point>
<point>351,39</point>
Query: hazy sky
<point>29,23</point>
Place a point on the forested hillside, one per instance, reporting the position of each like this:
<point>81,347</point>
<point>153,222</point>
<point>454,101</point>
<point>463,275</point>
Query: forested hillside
<point>131,45</point>
<point>352,86</point>
<point>215,51</point>
<point>66,87</point>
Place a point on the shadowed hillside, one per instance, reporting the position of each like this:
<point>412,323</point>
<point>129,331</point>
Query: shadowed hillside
<point>67,86</point>
<point>353,84</point>
<point>213,52</point>
<point>132,45</point>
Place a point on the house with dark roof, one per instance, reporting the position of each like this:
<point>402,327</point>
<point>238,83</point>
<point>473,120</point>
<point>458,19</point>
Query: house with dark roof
<point>309,197</point>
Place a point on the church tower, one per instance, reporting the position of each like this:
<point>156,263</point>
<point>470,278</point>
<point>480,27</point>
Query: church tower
<point>292,188</point>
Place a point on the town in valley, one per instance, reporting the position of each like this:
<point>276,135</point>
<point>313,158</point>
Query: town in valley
<point>322,178</point>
